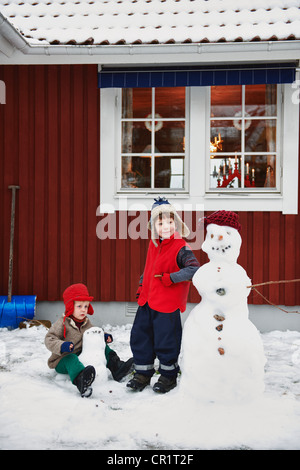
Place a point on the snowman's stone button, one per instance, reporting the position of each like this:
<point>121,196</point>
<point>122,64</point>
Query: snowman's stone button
<point>221,291</point>
<point>219,327</point>
<point>221,351</point>
<point>219,317</point>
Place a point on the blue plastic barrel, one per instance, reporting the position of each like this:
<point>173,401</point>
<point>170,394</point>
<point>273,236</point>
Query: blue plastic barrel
<point>21,308</point>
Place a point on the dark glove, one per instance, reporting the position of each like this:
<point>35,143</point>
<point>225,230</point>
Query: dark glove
<point>108,338</point>
<point>166,280</point>
<point>67,346</point>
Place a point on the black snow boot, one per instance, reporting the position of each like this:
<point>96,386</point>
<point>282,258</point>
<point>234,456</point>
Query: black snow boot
<point>84,380</point>
<point>165,384</point>
<point>117,367</point>
<point>138,382</point>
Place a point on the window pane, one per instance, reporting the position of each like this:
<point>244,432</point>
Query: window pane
<point>228,132</point>
<point>260,135</point>
<point>224,173</point>
<point>261,100</point>
<point>169,172</point>
<point>247,132</point>
<point>136,172</point>
<point>136,102</point>
<point>261,170</point>
<point>226,100</point>
<point>144,136</point>
<point>170,102</point>
<point>136,138</point>
<point>170,137</point>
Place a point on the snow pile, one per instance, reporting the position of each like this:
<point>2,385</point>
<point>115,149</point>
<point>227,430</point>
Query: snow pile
<point>40,409</point>
<point>93,346</point>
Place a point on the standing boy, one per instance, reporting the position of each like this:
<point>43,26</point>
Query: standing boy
<point>162,295</point>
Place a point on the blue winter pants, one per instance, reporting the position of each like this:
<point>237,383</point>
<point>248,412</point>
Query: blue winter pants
<point>156,334</point>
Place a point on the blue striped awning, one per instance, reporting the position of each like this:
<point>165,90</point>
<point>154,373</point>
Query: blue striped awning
<point>250,74</point>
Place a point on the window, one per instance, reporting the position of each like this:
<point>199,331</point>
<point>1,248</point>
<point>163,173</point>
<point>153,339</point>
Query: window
<point>153,122</point>
<point>243,138</point>
<point>178,142</point>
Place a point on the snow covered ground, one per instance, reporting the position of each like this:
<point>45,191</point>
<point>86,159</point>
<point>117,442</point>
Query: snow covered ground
<point>42,410</point>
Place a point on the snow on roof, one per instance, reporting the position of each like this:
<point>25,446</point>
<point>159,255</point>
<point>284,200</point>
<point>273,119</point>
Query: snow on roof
<point>153,21</point>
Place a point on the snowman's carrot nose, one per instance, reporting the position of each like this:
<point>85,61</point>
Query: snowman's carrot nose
<point>220,237</point>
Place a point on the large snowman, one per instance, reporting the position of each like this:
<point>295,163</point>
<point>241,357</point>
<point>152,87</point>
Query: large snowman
<point>222,352</point>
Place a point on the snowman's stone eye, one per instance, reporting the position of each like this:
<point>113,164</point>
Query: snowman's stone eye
<point>212,236</point>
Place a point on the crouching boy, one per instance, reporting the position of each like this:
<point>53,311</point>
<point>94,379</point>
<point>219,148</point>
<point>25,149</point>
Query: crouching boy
<point>64,340</point>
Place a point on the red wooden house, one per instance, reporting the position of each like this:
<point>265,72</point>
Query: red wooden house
<point>105,105</point>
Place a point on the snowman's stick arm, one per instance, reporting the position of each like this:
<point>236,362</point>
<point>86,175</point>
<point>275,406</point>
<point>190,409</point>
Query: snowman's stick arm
<point>273,282</point>
<point>256,285</point>
<point>271,303</point>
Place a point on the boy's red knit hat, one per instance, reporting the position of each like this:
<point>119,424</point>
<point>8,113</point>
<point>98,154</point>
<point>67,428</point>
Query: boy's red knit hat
<point>76,292</point>
<point>227,218</point>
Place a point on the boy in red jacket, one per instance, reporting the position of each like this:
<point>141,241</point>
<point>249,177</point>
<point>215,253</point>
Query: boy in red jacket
<point>162,295</point>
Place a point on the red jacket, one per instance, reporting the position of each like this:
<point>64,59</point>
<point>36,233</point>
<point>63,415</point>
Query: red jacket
<point>162,259</point>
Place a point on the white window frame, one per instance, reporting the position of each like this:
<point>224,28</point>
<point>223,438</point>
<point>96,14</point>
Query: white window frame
<point>197,136</point>
<point>152,120</point>
<point>277,153</point>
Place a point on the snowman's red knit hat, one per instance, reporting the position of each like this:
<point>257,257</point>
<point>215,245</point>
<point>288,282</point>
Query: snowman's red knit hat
<point>227,218</point>
<point>73,293</point>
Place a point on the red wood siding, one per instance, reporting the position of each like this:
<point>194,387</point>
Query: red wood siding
<point>49,145</point>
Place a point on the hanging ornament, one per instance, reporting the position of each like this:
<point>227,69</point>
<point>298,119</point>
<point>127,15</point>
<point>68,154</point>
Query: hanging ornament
<point>238,124</point>
<point>157,125</point>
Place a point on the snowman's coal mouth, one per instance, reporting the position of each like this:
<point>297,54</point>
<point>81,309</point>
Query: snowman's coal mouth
<point>221,249</point>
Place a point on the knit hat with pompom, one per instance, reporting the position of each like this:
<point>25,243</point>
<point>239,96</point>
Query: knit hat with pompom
<point>162,206</point>
<point>225,218</point>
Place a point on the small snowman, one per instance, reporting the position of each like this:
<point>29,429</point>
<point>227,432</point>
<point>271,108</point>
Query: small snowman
<point>93,347</point>
<point>222,352</point>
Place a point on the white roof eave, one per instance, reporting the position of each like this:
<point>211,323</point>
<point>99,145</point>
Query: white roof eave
<point>17,50</point>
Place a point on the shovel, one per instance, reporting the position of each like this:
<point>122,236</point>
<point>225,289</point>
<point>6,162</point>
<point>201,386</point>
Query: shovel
<point>14,309</point>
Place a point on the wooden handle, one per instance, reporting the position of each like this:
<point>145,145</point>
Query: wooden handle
<point>11,246</point>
